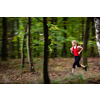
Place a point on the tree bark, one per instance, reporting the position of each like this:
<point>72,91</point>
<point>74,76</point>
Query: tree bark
<point>64,51</point>
<point>18,47</point>
<point>12,43</point>
<point>97,27</point>
<point>28,45</point>
<point>23,45</point>
<point>46,50</point>
<point>86,36</point>
<point>93,38</point>
<point>4,40</point>
<point>54,53</point>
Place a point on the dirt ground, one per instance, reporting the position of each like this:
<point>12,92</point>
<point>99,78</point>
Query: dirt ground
<point>59,72</point>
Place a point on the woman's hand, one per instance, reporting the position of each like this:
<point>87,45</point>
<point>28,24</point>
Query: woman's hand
<point>78,52</point>
<point>71,50</point>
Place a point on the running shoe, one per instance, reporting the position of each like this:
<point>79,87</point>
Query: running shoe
<point>86,68</point>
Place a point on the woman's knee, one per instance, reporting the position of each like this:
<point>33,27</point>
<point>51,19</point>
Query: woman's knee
<point>74,65</point>
<point>78,65</point>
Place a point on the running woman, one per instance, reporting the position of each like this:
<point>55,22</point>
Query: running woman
<point>75,49</point>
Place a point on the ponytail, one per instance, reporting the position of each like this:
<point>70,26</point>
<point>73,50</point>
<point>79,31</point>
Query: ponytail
<point>77,43</point>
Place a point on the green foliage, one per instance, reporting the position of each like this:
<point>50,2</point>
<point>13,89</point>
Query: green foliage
<point>56,32</point>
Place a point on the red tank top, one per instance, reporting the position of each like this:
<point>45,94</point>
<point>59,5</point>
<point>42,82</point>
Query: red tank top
<point>75,51</point>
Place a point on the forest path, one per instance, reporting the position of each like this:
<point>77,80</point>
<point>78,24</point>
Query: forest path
<point>59,72</point>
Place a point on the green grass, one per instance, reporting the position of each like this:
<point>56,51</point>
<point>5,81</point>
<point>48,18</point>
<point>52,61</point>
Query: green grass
<point>75,79</point>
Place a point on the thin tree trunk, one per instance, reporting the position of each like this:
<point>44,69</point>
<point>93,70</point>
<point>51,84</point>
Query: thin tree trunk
<point>46,50</point>
<point>54,53</point>
<point>64,51</point>
<point>18,47</point>
<point>82,33</point>
<point>4,40</point>
<point>28,45</point>
<point>12,43</point>
<point>93,38</point>
<point>86,36</point>
<point>55,45</point>
<point>97,27</point>
<point>23,45</point>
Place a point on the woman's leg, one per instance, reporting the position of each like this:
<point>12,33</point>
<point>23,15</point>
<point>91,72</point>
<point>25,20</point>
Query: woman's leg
<point>85,67</point>
<point>82,66</point>
<point>73,69</point>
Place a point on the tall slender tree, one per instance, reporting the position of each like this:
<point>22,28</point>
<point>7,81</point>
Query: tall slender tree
<point>64,51</point>
<point>4,40</point>
<point>23,45</point>
<point>86,36</point>
<point>82,33</point>
<point>93,37</point>
<point>97,27</point>
<point>12,43</point>
<point>18,47</point>
<point>46,50</point>
<point>28,45</point>
<point>54,53</point>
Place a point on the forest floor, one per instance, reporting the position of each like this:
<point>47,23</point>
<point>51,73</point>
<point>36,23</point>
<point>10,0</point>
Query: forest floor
<point>59,72</point>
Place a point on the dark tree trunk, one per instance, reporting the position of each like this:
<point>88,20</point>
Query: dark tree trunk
<point>64,51</point>
<point>28,45</point>
<point>12,43</point>
<point>55,45</point>
<point>46,50</point>
<point>9,37</point>
<point>18,47</point>
<point>54,53</point>
<point>93,38</point>
<point>97,27</point>
<point>82,33</point>
<point>86,36</point>
<point>4,40</point>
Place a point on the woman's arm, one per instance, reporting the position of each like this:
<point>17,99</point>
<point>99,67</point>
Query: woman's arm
<point>79,47</point>
<point>71,49</point>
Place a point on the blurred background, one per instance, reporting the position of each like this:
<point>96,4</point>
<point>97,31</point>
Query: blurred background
<point>62,30</point>
<point>22,38</point>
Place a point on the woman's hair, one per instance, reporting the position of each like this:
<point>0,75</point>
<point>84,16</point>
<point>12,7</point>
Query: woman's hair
<point>75,42</point>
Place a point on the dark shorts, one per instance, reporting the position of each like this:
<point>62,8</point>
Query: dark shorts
<point>77,59</point>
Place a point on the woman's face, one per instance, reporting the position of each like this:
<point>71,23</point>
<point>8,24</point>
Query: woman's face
<point>73,43</point>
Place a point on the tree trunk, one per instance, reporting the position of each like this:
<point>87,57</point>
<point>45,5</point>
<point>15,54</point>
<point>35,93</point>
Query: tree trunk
<point>54,53</point>
<point>97,27</point>
<point>86,36</point>
<point>23,45</point>
<point>93,38</point>
<point>18,47</point>
<point>28,45</point>
<point>4,40</point>
<point>55,45</point>
<point>12,43</point>
<point>64,51</point>
<point>82,33</point>
<point>46,50</point>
